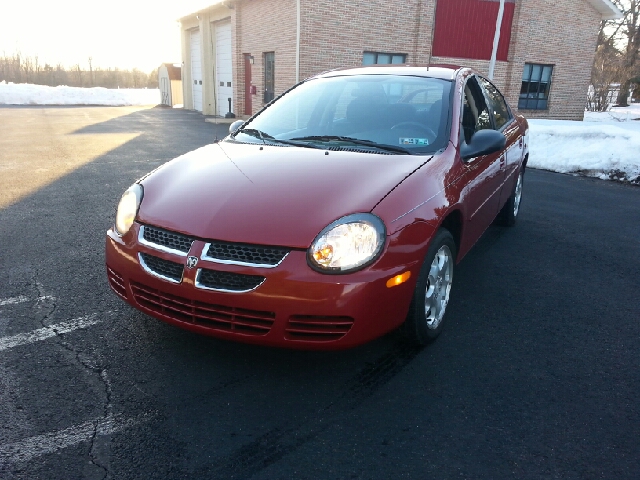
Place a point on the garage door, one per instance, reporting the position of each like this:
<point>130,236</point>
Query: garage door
<point>196,70</point>
<point>224,70</point>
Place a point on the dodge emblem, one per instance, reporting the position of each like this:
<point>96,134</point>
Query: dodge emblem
<point>192,262</point>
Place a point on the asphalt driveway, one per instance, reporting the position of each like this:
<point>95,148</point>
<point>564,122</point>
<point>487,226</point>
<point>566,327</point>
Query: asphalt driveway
<point>536,375</point>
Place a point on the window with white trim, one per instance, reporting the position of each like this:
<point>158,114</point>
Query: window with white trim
<point>373,58</point>
<point>536,84</point>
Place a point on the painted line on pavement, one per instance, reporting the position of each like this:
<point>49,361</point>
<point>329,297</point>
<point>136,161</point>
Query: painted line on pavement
<point>23,299</point>
<point>13,300</point>
<point>50,331</point>
<point>28,448</point>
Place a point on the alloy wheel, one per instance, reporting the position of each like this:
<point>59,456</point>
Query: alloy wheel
<point>518,196</point>
<point>438,287</point>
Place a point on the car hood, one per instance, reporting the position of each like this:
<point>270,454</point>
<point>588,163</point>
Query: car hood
<point>265,194</point>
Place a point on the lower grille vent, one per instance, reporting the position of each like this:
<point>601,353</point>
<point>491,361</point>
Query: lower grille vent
<point>117,283</point>
<point>319,328</point>
<point>160,267</point>
<point>228,281</point>
<point>215,317</point>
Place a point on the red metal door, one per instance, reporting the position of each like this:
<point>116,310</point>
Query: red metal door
<point>465,29</point>
<point>248,105</point>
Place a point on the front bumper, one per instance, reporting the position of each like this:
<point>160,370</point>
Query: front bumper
<point>294,307</point>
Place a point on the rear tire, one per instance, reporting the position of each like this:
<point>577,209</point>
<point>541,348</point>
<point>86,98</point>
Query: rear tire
<point>509,212</point>
<point>431,295</point>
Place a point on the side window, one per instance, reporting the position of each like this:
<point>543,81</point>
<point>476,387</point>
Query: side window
<point>475,114</point>
<point>499,109</point>
<point>269,76</point>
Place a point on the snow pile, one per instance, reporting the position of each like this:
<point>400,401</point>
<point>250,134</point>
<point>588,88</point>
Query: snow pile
<point>606,145</point>
<point>632,112</point>
<point>27,94</point>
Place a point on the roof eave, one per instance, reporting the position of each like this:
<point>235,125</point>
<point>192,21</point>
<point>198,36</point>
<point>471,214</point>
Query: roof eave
<point>607,9</point>
<point>212,5</point>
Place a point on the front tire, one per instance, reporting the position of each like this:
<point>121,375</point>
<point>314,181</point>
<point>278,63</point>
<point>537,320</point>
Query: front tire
<point>431,295</point>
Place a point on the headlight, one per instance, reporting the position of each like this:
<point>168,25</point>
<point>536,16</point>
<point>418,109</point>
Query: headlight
<point>348,244</point>
<point>128,208</point>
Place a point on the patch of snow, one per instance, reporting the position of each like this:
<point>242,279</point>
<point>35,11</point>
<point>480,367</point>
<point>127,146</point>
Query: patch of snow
<point>27,94</point>
<point>604,146</point>
<point>632,112</point>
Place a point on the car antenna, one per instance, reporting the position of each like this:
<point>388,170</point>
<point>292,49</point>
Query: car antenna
<point>215,121</point>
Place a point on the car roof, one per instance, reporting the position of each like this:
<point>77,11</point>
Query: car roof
<point>445,72</point>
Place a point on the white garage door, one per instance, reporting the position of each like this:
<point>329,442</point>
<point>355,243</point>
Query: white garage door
<point>224,69</point>
<point>196,70</point>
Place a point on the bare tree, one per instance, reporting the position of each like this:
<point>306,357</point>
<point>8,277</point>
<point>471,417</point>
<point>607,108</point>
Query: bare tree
<point>77,71</point>
<point>90,71</point>
<point>606,70</point>
<point>152,80</point>
<point>27,69</point>
<point>628,33</point>
<point>21,69</point>
<point>61,77</point>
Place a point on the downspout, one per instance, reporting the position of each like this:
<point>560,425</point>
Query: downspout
<point>298,41</point>
<point>496,40</point>
<point>417,33</point>
<point>433,27</point>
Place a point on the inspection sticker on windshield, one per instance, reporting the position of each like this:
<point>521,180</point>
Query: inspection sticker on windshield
<point>414,141</point>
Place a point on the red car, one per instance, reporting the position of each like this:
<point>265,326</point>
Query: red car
<point>331,217</point>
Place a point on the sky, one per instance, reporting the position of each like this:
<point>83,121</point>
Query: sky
<point>119,33</point>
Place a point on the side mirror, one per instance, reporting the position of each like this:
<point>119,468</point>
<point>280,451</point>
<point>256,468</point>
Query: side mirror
<point>235,126</point>
<point>483,142</point>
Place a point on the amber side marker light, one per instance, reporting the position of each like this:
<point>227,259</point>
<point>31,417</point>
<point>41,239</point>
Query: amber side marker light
<point>398,279</point>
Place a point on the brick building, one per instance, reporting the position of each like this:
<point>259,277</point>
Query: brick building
<point>239,54</point>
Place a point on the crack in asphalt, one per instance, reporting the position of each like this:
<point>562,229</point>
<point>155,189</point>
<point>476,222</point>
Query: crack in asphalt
<point>278,442</point>
<point>44,299</point>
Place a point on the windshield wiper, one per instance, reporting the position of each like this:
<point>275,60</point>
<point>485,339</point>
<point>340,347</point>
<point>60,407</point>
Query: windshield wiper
<point>355,141</point>
<point>265,136</point>
<point>252,132</point>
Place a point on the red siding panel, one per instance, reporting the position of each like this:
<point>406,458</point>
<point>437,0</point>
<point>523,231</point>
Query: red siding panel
<point>465,29</point>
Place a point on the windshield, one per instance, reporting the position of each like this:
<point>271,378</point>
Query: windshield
<point>401,114</point>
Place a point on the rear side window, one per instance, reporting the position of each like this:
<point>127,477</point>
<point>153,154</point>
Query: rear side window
<point>497,104</point>
<point>475,114</point>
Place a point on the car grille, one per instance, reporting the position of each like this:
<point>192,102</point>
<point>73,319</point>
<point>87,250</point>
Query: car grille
<point>162,268</point>
<point>319,328</point>
<point>228,281</point>
<point>215,317</point>
<point>117,283</point>
<point>245,254</point>
<point>167,239</point>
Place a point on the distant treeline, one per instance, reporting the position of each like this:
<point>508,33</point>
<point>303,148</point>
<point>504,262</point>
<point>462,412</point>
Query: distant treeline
<point>20,69</point>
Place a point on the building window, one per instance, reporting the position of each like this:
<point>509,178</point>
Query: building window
<point>373,58</point>
<point>536,83</point>
<point>269,76</point>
